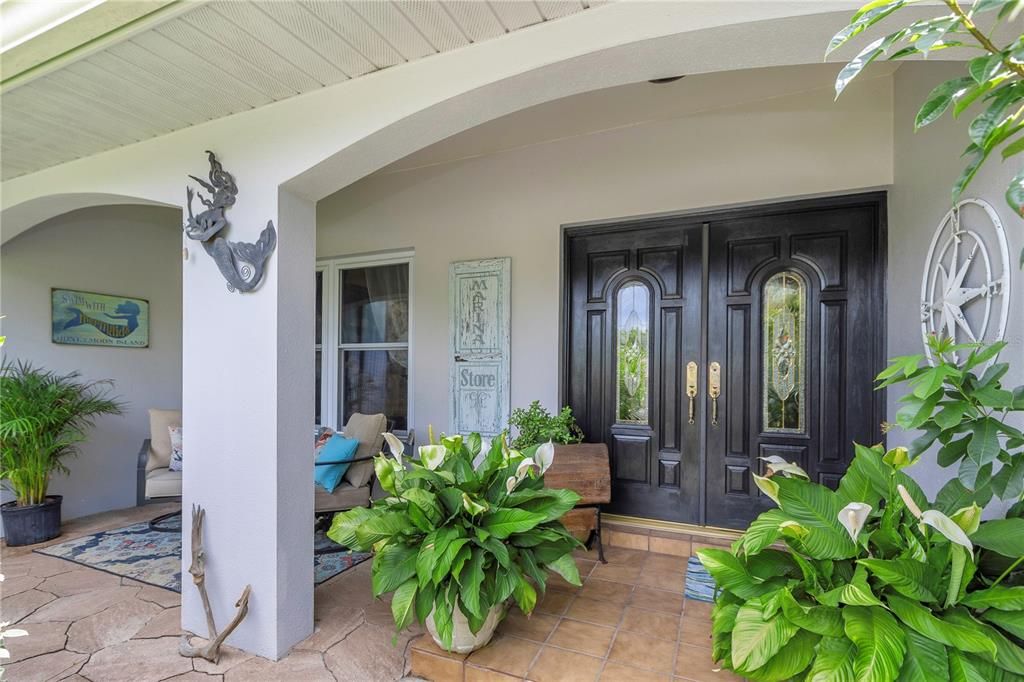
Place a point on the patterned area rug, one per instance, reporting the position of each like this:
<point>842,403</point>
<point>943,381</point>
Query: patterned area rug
<point>699,583</point>
<point>154,557</point>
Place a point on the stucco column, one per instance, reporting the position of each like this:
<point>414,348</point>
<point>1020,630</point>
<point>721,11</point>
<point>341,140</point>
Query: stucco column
<point>247,394</point>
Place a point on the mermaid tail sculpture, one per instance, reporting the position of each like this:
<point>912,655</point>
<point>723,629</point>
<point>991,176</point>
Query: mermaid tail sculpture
<point>241,263</point>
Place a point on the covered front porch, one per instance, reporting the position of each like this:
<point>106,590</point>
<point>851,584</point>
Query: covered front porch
<point>677,170</point>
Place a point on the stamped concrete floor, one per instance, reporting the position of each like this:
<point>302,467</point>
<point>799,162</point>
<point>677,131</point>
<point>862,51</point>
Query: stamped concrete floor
<point>629,622</point>
<point>85,624</point>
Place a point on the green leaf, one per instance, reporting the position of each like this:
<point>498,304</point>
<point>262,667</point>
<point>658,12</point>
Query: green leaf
<point>856,592</point>
<point>471,581</point>
<point>1008,483</point>
<point>443,610</point>
<point>879,640</point>
<point>963,668</point>
<point>821,620</point>
<point>867,478</point>
<point>938,101</point>
<point>1011,621</point>
<point>761,533</point>
<point>816,508</point>
<point>424,601</point>
<point>1015,147</point>
<point>869,54</point>
<point>344,525</point>
<point>444,558</point>
<point>732,575</point>
<point>952,451</point>
<point>402,604</point>
<point>756,639</point>
<point>525,595</point>
<point>908,577</point>
<point>1015,198</point>
<point>503,522</point>
<point>834,662</point>
<point>392,566</point>
<point>1003,536</point>
<point>954,495</point>
<point>924,622</point>
<point>869,14</point>
<point>998,597</point>
<point>1008,655</point>
<point>916,411</point>
<point>926,659</point>
<point>791,660</point>
<point>951,414</point>
<point>566,567</point>
<point>381,527</point>
<point>977,156</point>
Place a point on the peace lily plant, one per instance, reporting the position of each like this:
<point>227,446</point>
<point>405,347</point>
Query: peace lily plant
<point>867,582</point>
<point>461,534</point>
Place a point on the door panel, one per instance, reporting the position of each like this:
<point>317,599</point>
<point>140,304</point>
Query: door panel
<point>790,319</point>
<point>641,415</point>
<point>786,298</point>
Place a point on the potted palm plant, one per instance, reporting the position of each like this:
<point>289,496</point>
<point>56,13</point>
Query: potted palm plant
<point>461,534</point>
<point>43,418</point>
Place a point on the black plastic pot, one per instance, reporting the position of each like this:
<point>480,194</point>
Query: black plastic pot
<point>32,523</point>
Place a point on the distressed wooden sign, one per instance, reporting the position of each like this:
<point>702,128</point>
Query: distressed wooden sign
<point>479,292</point>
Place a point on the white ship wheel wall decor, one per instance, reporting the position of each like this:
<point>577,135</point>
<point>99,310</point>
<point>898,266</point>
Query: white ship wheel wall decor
<point>965,290</point>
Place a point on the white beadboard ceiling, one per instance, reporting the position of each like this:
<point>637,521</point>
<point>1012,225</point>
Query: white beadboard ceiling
<point>227,56</point>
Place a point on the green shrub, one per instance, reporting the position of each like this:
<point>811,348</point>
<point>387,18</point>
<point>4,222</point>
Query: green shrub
<point>536,425</point>
<point>454,534</point>
<point>867,586</point>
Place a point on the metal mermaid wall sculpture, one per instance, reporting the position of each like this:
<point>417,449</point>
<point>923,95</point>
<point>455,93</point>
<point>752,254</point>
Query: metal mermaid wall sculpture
<point>241,263</point>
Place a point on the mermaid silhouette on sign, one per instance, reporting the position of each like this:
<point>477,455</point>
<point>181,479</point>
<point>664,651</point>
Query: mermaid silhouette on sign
<point>127,311</point>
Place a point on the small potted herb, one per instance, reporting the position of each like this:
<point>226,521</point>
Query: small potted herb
<point>535,425</point>
<point>457,541</point>
<point>43,418</point>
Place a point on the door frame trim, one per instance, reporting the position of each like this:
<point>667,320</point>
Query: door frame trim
<point>874,199</point>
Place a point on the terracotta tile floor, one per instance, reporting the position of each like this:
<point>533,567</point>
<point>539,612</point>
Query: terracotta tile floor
<point>85,624</point>
<point>629,622</point>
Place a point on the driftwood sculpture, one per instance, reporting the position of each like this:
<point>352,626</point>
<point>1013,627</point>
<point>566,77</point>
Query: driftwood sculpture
<point>211,651</point>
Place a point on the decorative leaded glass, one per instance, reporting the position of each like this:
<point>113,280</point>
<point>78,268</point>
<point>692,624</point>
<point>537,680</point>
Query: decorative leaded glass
<point>632,352</point>
<point>784,315</point>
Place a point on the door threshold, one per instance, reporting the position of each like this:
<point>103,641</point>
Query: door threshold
<point>643,526</point>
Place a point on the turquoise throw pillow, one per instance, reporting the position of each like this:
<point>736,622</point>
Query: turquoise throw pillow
<point>339,451</point>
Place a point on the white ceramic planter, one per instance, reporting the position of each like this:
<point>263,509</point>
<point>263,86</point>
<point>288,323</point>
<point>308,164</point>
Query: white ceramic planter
<point>463,639</point>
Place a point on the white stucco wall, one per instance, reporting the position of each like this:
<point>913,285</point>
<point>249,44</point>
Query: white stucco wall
<point>128,250</point>
<point>513,203</point>
<point>926,165</point>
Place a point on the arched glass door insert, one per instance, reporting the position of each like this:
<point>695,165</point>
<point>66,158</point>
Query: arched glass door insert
<point>784,307</point>
<point>633,343</point>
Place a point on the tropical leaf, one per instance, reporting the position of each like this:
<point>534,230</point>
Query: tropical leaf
<point>761,533</point>
<point>566,567</point>
<point>392,566</point>
<point>922,620</point>
<point>1011,621</point>
<point>1003,536</point>
<point>856,592</point>
<point>503,522</point>
<point>756,639</point>
<point>926,659</point>
<point>791,660</point>
<point>834,661</point>
<point>1008,655</point>
<point>471,581</point>
<point>908,577</point>
<point>879,640</point>
<point>821,620</point>
<point>403,602</point>
<point>998,597</point>
<point>730,574</point>
<point>816,508</point>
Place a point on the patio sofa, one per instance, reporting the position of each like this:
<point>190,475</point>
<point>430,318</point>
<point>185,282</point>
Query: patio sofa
<point>155,480</point>
<point>357,484</point>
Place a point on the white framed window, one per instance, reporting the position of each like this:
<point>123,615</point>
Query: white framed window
<point>363,358</point>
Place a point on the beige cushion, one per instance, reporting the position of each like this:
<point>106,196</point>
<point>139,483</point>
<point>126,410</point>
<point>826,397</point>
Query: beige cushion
<point>345,496</point>
<point>160,437</point>
<point>368,429</point>
<point>163,483</point>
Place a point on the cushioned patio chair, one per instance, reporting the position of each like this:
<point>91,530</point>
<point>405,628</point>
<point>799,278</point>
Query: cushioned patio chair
<point>357,485</point>
<point>154,479</point>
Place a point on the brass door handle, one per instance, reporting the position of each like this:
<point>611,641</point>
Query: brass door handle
<point>714,389</point>
<point>691,386</point>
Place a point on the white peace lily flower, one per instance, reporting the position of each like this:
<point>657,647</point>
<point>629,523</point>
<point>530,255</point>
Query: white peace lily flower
<point>432,455</point>
<point>968,518</point>
<point>777,465</point>
<point>947,527</point>
<point>544,456</point>
<point>524,468</point>
<point>511,483</point>
<point>396,446</point>
<point>853,517</point>
<point>909,501</point>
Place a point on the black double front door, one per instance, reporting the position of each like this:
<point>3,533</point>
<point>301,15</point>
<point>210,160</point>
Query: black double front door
<point>700,346</point>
